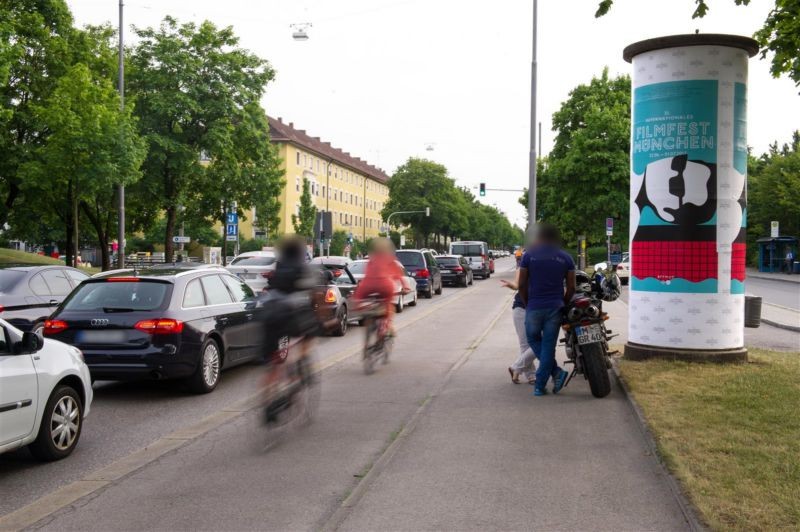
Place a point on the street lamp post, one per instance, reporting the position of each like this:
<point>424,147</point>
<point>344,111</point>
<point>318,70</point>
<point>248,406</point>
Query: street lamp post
<point>532,161</point>
<point>121,186</point>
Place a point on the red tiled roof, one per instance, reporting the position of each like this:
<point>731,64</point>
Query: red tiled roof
<point>282,132</point>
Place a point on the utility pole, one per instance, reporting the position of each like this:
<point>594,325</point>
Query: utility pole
<point>532,161</point>
<point>121,186</point>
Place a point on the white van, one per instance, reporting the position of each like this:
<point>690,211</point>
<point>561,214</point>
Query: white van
<point>477,254</point>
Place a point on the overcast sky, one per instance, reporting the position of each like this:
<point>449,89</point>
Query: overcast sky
<point>384,78</point>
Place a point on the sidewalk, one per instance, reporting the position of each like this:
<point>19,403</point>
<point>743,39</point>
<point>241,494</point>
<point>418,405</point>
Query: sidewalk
<point>487,455</point>
<point>794,278</point>
<point>783,317</point>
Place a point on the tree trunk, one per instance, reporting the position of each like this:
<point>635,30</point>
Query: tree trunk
<point>169,233</point>
<point>76,237</point>
<point>101,231</point>
<point>8,204</point>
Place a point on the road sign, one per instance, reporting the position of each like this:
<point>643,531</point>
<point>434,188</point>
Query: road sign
<point>232,230</point>
<point>231,238</point>
<point>232,218</point>
<point>609,226</point>
<point>181,239</point>
<point>774,229</point>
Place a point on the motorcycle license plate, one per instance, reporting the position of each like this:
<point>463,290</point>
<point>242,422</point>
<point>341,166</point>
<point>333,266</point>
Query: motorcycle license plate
<point>589,334</point>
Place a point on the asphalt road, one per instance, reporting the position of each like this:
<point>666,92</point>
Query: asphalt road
<point>128,416</point>
<point>775,291</point>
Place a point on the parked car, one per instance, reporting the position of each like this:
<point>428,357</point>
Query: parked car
<point>623,269</point>
<point>161,324</point>
<point>338,301</point>
<point>405,292</point>
<point>422,265</point>
<point>254,268</point>
<point>477,254</point>
<point>29,294</point>
<point>45,393</point>
<point>455,270</point>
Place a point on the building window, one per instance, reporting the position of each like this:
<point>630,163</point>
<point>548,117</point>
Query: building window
<point>323,191</point>
<point>298,157</point>
<point>297,183</point>
<point>340,218</point>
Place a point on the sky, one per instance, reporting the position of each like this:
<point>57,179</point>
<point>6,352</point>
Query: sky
<point>386,79</point>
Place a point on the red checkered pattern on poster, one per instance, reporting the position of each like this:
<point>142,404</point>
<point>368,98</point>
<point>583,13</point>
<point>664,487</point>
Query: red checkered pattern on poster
<point>693,261</point>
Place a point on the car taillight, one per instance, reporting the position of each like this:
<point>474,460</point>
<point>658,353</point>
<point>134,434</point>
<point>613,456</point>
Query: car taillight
<point>122,280</point>
<point>2,308</point>
<point>337,273</point>
<point>160,326</point>
<point>54,326</point>
<point>423,273</point>
<point>268,274</point>
<point>620,267</point>
<point>330,296</point>
<point>458,269</point>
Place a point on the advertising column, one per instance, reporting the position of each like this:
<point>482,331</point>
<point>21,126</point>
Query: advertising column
<point>688,207</point>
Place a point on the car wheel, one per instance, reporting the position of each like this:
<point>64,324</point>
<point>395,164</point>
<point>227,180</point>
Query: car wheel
<point>439,290</point>
<point>61,425</point>
<point>38,328</point>
<point>399,305</point>
<point>414,302</point>
<point>429,293</point>
<point>471,279</point>
<point>341,317</point>
<point>206,377</point>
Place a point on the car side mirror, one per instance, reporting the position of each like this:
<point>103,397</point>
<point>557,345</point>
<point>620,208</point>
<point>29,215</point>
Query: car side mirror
<point>31,342</point>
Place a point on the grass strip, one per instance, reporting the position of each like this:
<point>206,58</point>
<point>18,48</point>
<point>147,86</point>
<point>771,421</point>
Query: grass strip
<point>729,433</point>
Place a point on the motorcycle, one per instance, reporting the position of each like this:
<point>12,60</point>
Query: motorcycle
<point>586,338</point>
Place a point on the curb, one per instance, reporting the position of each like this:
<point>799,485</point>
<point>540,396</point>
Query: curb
<point>781,325</point>
<point>768,278</point>
<point>690,512</point>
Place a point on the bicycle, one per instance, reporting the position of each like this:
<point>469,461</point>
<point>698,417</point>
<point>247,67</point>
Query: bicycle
<point>291,394</point>
<point>378,344</point>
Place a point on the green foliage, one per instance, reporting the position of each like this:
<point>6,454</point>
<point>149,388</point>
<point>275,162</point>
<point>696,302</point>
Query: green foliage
<point>455,212</point>
<point>773,192</point>
<point>586,177</point>
<point>338,242</point>
<point>34,54</point>
<point>252,244</point>
<point>197,92</point>
<point>780,34</point>
<point>304,223</point>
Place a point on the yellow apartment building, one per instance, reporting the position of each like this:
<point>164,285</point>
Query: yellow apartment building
<point>353,190</point>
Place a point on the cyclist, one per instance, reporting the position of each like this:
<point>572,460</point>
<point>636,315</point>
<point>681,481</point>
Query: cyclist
<point>381,278</point>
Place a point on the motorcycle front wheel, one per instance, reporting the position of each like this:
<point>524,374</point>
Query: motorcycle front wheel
<point>595,369</point>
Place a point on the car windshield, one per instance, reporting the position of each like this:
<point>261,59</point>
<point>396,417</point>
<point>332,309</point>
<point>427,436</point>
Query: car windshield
<point>118,296</point>
<point>9,279</point>
<point>411,259</point>
<point>358,268</point>
<point>447,261</point>
<point>467,250</point>
<point>259,260</point>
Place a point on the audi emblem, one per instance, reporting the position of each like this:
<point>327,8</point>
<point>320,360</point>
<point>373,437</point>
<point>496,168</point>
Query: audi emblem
<point>100,322</point>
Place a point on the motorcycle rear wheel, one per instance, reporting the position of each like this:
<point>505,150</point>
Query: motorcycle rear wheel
<point>595,369</point>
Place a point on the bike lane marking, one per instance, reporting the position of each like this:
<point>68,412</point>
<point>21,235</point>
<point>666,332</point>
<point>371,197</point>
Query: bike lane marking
<point>379,465</point>
<point>68,494</point>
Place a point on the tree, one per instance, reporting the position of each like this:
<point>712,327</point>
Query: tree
<point>198,93</point>
<point>780,34</point>
<point>304,223</point>
<point>34,54</point>
<point>586,178</point>
<point>90,147</point>
<point>774,191</point>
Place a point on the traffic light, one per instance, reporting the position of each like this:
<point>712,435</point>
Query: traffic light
<point>483,189</point>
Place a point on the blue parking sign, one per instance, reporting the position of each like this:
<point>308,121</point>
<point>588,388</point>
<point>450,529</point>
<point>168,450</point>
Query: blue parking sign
<point>232,219</point>
<point>231,230</point>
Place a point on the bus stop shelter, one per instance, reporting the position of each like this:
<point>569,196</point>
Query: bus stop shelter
<point>772,253</point>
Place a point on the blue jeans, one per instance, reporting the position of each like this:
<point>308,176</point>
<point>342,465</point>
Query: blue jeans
<point>541,327</point>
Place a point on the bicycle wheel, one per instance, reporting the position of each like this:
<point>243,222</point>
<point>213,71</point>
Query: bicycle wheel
<point>370,345</point>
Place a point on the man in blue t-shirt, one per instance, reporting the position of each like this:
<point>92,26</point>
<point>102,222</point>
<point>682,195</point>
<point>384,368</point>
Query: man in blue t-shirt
<point>546,284</point>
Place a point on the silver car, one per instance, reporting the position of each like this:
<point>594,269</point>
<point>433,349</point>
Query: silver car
<point>254,268</point>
